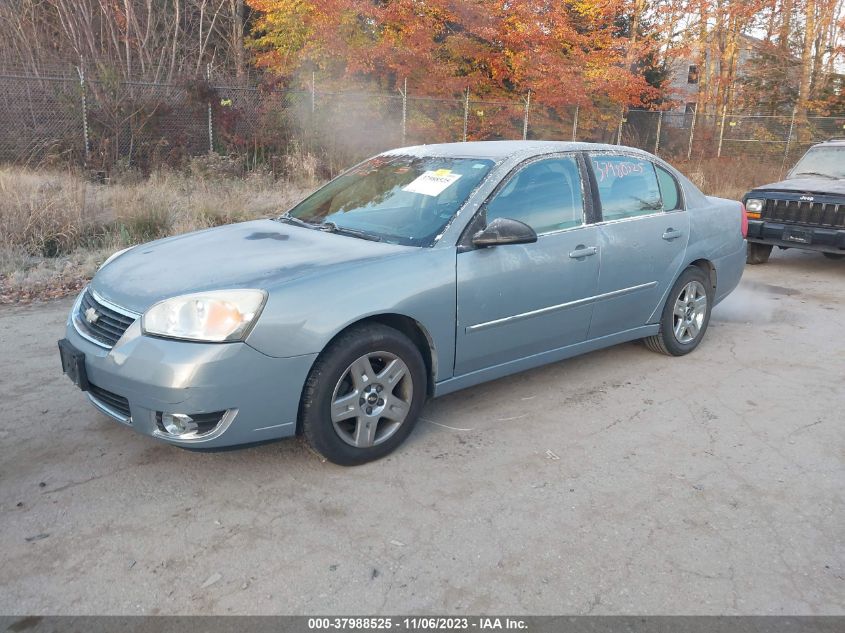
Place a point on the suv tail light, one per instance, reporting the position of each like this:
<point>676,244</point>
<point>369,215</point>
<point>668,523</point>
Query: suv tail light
<point>744,221</point>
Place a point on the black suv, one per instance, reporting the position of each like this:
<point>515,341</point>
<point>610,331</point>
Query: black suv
<point>807,210</point>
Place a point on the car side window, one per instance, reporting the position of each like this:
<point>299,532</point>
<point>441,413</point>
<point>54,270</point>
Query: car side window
<point>668,189</point>
<point>545,195</point>
<point>627,186</point>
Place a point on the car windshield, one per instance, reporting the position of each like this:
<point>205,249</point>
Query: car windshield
<point>827,162</point>
<point>399,199</point>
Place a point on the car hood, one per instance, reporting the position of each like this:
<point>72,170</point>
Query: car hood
<point>807,185</point>
<point>259,254</point>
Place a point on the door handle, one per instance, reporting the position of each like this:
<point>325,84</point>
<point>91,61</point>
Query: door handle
<point>583,251</point>
<point>672,234</point>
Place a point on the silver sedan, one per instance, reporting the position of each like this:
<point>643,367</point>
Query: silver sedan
<point>418,272</point>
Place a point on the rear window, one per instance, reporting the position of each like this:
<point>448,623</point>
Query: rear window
<point>627,186</point>
<point>668,189</point>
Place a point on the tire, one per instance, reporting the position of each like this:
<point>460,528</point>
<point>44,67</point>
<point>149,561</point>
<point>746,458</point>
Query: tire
<point>352,411</point>
<point>758,253</point>
<point>680,333</point>
<point>834,256</point>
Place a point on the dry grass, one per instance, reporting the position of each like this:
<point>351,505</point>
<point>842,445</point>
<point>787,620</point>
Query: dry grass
<point>728,177</point>
<point>56,227</point>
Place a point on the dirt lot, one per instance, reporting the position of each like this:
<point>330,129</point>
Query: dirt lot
<point>618,482</point>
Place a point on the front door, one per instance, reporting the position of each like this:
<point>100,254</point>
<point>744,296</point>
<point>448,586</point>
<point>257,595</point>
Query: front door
<point>515,301</point>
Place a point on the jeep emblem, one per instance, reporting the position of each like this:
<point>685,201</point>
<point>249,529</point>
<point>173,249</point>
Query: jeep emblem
<point>807,198</point>
<point>91,315</point>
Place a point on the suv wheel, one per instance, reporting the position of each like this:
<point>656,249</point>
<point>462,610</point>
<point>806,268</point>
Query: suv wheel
<point>758,253</point>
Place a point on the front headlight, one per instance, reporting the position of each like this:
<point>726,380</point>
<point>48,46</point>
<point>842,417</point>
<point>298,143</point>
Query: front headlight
<point>754,205</point>
<point>217,316</point>
<point>113,257</point>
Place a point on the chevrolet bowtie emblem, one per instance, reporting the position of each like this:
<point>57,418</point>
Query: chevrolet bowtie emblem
<point>91,315</point>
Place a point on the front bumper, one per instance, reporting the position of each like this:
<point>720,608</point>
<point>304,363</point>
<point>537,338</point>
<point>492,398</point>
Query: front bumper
<point>260,394</point>
<point>778,234</point>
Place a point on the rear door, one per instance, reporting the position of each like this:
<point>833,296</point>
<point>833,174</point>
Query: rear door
<point>643,235</point>
<point>522,299</point>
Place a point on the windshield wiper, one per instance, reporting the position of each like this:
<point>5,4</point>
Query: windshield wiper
<point>815,173</point>
<point>288,218</point>
<point>331,227</point>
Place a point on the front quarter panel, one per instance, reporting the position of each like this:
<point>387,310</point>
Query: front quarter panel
<point>303,316</point>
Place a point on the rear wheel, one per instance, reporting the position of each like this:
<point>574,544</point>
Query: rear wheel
<point>834,255</point>
<point>685,316</point>
<point>363,395</point>
<point>758,253</point>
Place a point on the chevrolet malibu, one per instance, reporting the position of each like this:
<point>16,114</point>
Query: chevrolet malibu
<point>419,272</point>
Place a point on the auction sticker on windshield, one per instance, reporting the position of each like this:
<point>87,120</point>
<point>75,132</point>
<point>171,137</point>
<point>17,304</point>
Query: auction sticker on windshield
<point>432,183</point>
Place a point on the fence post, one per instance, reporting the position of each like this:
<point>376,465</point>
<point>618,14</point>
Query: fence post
<point>404,110</point>
<point>722,130</point>
<point>788,141</point>
<point>525,120</point>
<point>575,124</point>
<point>466,114</point>
<point>619,131</point>
<point>210,120</point>
<point>692,131</point>
<point>659,126</point>
<point>312,124</point>
<point>83,89</point>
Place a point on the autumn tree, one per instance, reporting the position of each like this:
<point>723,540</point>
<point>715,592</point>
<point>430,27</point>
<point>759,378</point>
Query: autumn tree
<point>562,51</point>
<point>765,55</point>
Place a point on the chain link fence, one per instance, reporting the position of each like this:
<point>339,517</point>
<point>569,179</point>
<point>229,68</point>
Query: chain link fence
<point>105,123</point>
<point>41,119</point>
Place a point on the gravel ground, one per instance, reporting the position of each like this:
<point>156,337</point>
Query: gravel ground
<point>620,482</point>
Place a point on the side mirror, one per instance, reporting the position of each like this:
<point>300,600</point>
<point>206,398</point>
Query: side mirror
<point>504,231</point>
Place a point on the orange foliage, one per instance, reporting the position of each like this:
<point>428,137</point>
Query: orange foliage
<point>562,51</point>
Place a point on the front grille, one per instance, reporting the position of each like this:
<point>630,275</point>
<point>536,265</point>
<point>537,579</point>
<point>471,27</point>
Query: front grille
<point>805,212</point>
<point>111,400</point>
<point>107,326</point>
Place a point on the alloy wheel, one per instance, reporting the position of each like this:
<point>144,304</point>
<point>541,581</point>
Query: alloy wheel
<point>372,399</point>
<point>690,311</point>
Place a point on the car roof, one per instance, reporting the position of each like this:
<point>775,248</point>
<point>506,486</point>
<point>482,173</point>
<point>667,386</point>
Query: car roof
<point>831,141</point>
<point>497,150</point>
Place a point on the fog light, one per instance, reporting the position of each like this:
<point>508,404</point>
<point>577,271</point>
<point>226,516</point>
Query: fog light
<point>178,423</point>
<point>196,427</point>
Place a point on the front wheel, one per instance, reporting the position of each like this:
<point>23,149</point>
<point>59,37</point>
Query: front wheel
<point>685,316</point>
<point>363,395</point>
